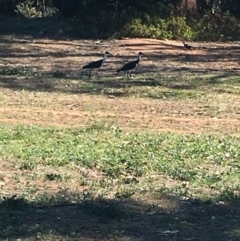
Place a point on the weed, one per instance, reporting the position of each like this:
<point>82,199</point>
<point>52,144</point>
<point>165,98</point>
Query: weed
<point>53,177</point>
<point>19,71</point>
<point>59,74</point>
<point>27,165</point>
<point>1,177</point>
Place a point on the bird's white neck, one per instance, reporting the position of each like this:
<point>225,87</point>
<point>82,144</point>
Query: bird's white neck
<point>104,58</point>
<point>139,57</point>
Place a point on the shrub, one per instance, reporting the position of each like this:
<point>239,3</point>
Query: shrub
<point>215,27</point>
<point>104,21</point>
<point>179,28</point>
<point>28,10</point>
<point>211,27</point>
<point>170,28</point>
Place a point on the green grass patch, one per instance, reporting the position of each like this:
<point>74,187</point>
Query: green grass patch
<point>131,158</point>
<point>195,173</point>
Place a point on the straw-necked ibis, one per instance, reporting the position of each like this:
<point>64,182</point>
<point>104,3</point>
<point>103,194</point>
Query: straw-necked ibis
<point>96,64</point>
<point>130,66</point>
<point>187,46</point>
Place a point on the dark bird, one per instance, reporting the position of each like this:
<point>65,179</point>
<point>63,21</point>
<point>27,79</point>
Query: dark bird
<point>187,46</point>
<point>130,66</point>
<point>96,64</point>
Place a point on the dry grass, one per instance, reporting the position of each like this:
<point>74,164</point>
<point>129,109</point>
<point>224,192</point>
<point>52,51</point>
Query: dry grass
<point>203,100</point>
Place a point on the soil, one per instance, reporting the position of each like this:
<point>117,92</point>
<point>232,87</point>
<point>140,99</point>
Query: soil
<point>67,109</point>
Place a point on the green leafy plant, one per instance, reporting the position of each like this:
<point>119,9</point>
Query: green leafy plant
<point>27,165</point>
<point>214,27</point>
<point>28,10</point>
<point>169,28</point>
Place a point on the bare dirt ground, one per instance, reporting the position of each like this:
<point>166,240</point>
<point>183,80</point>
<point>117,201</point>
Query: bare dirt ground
<point>68,109</point>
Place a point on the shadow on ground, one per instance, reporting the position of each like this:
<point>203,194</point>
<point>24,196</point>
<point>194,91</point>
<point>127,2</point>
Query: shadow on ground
<point>111,83</point>
<point>121,219</point>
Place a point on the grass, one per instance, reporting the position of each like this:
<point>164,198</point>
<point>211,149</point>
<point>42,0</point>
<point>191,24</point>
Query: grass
<point>135,160</point>
<point>139,162</point>
<point>155,85</point>
<point>84,167</point>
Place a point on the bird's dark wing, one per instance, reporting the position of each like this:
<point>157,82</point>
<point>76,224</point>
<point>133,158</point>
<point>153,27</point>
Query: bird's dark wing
<point>128,66</point>
<point>188,46</point>
<point>93,65</point>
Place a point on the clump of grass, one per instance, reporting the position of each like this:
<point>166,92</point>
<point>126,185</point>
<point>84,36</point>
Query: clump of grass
<point>27,165</point>
<point>59,74</point>
<point>53,177</point>
<point>19,71</point>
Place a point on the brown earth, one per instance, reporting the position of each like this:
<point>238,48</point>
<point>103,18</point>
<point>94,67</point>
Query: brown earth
<point>68,109</point>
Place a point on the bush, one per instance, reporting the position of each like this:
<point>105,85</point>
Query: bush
<point>28,10</point>
<point>211,27</point>
<point>105,19</point>
<point>170,28</point>
<point>179,28</point>
<point>216,27</point>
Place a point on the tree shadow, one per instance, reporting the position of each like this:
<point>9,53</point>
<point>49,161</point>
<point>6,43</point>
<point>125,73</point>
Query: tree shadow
<point>169,218</point>
<point>111,83</point>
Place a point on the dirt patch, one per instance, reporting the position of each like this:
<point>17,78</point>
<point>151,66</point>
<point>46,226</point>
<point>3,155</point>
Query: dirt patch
<point>55,109</point>
<point>141,114</point>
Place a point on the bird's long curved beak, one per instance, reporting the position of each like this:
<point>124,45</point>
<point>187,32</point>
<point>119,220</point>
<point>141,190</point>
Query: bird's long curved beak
<point>109,54</point>
<point>145,55</point>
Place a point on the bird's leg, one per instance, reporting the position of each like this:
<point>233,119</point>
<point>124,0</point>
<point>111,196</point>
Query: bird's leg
<point>190,51</point>
<point>130,75</point>
<point>97,74</point>
<point>127,75</point>
<point>90,73</point>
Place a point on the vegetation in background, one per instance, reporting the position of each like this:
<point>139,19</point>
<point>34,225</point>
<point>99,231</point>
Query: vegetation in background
<point>214,27</point>
<point>168,19</point>
<point>158,28</point>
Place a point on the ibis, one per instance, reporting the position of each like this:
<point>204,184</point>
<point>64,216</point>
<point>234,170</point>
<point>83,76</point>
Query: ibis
<point>96,64</point>
<point>187,46</point>
<point>130,66</point>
